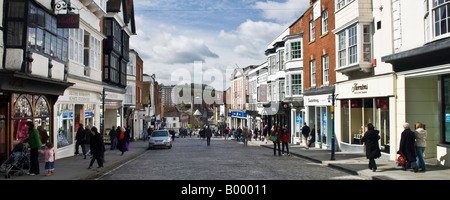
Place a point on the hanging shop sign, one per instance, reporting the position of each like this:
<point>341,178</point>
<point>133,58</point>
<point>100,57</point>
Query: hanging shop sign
<point>68,20</point>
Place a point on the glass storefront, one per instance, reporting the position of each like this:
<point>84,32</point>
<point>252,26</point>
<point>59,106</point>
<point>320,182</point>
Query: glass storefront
<point>357,113</point>
<point>69,117</point>
<point>446,108</point>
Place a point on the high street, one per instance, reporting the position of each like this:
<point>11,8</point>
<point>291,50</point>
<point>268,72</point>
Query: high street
<point>192,159</point>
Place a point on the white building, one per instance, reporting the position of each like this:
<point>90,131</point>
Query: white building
<point>81,103</point>
<point>364,87</point>
<point>420,57</point>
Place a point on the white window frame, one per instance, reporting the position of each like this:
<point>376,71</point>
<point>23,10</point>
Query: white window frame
<point>435,5</point>
<point>326,69</point>
<point>325,22</point>
<point>76,45</point>
<point>298,52</point>
<point>312,31</point>
<point>312,67</point>
<point>298,87</point>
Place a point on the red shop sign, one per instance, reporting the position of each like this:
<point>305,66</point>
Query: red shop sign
<point>68,20</point>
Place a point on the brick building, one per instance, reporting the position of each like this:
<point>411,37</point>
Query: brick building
<point>318,54</point>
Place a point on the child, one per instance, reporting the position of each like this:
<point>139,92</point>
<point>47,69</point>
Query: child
<point>49,158</point>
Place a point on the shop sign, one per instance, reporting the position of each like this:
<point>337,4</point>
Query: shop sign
<point>318,100</point>
<point>447,117</point>
<point>360,89</point>
<point>68,20</point>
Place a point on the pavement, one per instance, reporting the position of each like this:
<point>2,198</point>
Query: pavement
<point>76,168</point>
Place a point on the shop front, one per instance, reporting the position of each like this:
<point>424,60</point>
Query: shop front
<point>318,117</point>
<point>73,108</point>
<point>25,98</point>
<point>364,101</point>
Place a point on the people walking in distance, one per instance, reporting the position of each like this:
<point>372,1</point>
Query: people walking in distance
<point>81,139</point>
<point>208,135</point>
<point>97,148</point>
<point>113,138</point>
<point>313,136</point>
<point>421,144</point>
<point>276,133</point>
<point>285,136</point>
<point>49,158</point>
<point>245,136</point>
<point>407,147</point>
<point>305,133</point>
<point>35,145</point>
<point>370,139</point>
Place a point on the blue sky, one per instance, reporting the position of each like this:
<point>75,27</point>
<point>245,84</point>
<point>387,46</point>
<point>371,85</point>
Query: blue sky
<point>221,34</point>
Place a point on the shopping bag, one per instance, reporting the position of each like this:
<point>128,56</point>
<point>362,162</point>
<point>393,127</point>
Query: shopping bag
<point>127,144</point>
<point>273,138</point>
<point>401,159</point>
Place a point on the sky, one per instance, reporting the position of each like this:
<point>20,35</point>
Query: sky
<point>203,41</point>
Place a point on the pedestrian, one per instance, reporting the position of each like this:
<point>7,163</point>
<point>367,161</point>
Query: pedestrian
<point>238,133</point>
<point>127,137</point>
<point>285,136</point>
<point>35,145</point>
<point>85,146</point>
<point>370,139</point>
<point>208,135</point>
<point>97,148</point>
<point>245,136</point>
<point>265,133</point>
<point>407,147</point>
<point>421,144</point>
<point>43,134</point>
<point>305,133</point>
<point>49,158</point>
<point>122,141</point>
<point>113,138</point>
<point>277,134</point>
<point>313,136</point>
<point>80,137</point>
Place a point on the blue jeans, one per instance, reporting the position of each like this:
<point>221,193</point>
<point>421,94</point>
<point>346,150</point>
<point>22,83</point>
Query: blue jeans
<point>420,161</point>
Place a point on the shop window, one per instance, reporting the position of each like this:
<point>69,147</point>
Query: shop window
<point>65,115</point>
<point>446,109</point>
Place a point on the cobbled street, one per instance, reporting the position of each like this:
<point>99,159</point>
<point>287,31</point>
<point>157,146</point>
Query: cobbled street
<point>192,159</point>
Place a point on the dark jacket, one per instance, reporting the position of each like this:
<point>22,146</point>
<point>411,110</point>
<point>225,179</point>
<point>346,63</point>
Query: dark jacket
<point>407,143</point>
<point>97,146</point>
<point>370,139</point>
<point>306,130</point>
<point>208,132</point>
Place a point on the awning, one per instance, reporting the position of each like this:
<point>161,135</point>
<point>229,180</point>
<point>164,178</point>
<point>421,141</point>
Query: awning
<point>21,82</point>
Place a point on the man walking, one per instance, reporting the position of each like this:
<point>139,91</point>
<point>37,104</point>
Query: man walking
<point>208,134</point>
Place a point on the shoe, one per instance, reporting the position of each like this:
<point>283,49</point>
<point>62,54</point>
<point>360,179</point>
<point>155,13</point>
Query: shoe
<point>99,167</point>
<point>48,173</point>
<point>90,167</point>
<point>374,169</point>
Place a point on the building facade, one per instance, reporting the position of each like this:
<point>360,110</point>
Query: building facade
<point>118,26</point>
<point>81,103</point>
<point>419,57</point>
<point>34,71</point>
<point>364,87</point>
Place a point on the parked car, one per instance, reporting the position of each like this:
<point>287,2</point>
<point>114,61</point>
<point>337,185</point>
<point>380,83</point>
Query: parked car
<point>160,138</point>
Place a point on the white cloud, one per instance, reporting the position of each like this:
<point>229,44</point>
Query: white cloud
<point>282,12</point>
<point>251,38</point>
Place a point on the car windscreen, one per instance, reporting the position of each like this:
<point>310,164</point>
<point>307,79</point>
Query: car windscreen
<point>159,134</point>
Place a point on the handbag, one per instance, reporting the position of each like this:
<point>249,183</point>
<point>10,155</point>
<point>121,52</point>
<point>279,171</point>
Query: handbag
<point>401,159</point>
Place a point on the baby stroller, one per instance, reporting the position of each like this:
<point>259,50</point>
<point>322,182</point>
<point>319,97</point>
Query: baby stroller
<point>17,162</point>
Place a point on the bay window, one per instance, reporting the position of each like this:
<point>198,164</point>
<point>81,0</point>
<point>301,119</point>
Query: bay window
<point>354,45</point>
<point>441,17</point>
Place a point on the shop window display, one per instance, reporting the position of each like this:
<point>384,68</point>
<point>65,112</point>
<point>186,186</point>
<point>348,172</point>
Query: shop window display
<point>65,124</point>
<point>26,108</point>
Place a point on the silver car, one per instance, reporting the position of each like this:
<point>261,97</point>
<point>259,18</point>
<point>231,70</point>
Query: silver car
<point>160,138</point>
